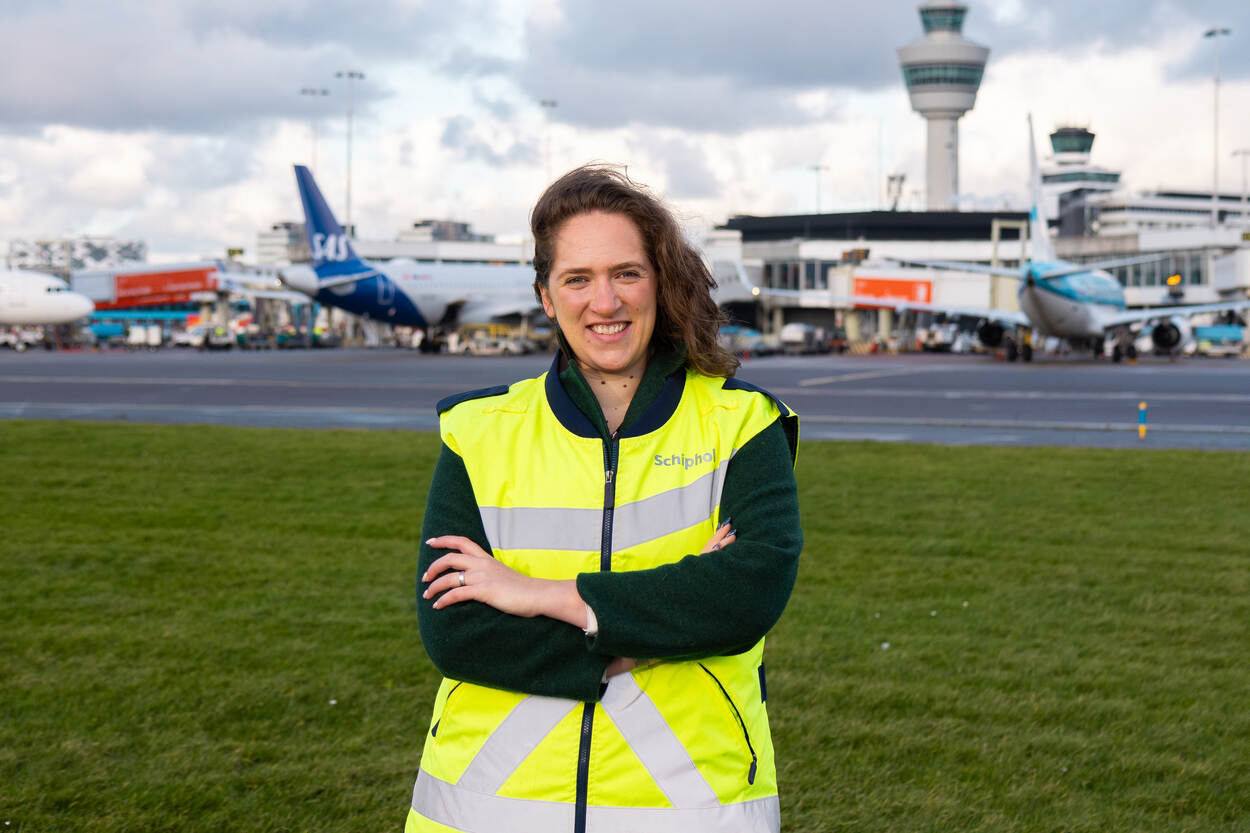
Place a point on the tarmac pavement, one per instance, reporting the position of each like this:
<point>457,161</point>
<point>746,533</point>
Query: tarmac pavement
<point>960,400</point>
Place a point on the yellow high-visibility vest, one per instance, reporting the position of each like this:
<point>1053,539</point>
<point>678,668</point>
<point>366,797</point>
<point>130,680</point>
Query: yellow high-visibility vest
<point>672,747</point>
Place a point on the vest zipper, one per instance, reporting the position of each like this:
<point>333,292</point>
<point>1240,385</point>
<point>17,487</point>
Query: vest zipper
<point>443,713</point>
<point>610,450</point>
<point>741,723</point>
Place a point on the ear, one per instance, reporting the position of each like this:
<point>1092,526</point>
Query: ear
<point>548,307</point>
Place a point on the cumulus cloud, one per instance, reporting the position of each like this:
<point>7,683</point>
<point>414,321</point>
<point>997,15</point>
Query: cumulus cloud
<point>193,66</point>
<point>742,65</point>
<point>463,135</point>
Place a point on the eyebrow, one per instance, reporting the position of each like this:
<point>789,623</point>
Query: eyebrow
<point>581,270</point>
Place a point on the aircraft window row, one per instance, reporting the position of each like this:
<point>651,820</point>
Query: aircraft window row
<point>918,75</point>
<point>942,20</point>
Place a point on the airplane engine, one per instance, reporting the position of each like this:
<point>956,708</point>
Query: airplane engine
<point>991,334</point>
<point>1167,335</point>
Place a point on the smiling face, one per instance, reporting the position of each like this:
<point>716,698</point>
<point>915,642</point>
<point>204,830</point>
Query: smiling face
<point>602,293</point>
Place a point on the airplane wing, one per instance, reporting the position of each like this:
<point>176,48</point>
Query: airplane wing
<point>1002,316</point>
<point>959,266</point>
<point>1139,315</point>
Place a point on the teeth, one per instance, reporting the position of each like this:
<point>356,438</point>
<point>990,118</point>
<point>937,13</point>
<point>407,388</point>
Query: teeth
<point>608,329</point>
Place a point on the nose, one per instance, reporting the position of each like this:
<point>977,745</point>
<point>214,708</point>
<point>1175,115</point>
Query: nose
<point>604,301</point>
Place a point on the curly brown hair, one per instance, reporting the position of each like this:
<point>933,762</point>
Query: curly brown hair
<point>686,314</point>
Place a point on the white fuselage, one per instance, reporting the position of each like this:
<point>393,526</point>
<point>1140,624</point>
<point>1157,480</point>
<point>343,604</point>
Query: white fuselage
<point>1057,315</point>
<point>33,298</point>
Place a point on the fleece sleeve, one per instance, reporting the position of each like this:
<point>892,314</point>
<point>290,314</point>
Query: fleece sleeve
<point>722,602</point>
<point>474,642</point>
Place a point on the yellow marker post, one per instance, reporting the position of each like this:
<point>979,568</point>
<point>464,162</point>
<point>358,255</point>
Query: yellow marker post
<point>1141,421</point>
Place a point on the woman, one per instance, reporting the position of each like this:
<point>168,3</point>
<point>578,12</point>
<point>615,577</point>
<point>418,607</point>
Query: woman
<point>606,546</point>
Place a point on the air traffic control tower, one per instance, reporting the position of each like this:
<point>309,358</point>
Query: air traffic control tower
<point>942,71</point>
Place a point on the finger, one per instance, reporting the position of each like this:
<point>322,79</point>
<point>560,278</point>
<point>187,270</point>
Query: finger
<point>447,581</point>
<point>450,561</point>
<point>454,595</point>
<point>455,542</point>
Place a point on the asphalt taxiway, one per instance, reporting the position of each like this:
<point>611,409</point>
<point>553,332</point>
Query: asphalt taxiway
<point>1063,401</point>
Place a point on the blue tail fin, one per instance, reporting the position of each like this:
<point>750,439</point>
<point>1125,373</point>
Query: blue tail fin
<point>332,251</point>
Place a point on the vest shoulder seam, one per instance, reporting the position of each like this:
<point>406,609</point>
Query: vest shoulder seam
<point>447,403</point>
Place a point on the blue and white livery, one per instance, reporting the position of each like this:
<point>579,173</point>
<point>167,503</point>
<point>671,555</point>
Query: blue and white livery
<point>403,292</point>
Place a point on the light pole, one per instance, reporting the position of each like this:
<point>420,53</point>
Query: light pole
<point>314,91</point>
<point>1244,153</point>
<point>352,76</point>
<point>1214,33</point>
<point>816,169</point>
<point>548,104</point>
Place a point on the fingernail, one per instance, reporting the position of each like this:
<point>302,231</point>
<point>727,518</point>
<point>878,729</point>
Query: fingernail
<point>726,523</point>
<point>716,546</point>
<point>733,532</point>
<point>429,542</point>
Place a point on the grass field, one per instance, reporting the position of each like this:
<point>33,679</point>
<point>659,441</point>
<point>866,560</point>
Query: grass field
<point>209,629</point>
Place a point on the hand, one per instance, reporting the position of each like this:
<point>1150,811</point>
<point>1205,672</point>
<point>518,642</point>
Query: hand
<point>469,573</point>
<point>724,535</point>
<point>620,665</point>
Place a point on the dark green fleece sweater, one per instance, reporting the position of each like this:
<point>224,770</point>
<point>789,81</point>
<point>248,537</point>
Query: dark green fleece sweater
<point>700,605</point>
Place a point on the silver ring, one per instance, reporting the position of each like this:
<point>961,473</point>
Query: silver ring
<point>462,578</point>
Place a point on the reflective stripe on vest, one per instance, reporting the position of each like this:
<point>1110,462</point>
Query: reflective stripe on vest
<point>551,528</point>
<point>444,804</point>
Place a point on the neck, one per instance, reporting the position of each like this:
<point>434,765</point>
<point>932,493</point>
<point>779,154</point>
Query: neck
<point>614,391</point>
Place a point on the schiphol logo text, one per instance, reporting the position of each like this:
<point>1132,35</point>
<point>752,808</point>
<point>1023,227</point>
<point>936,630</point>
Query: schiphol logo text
<point>684,461</point>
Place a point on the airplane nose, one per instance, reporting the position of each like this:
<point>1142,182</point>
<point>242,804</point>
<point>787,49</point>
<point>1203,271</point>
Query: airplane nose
<point>85,305</point>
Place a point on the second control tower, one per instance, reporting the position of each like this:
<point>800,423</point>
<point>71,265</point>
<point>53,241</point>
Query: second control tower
<point>942,71</point>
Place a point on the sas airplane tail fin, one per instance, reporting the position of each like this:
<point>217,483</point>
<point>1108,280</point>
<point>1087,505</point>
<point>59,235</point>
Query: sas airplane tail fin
<point>1040,248</point>
<point>333,256</point>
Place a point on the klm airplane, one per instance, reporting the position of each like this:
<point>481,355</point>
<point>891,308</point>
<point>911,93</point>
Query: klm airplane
<point>434,297</point>
<point>1079,302</point>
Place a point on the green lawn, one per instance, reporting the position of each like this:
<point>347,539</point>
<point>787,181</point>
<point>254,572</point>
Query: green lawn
<point>212,629</point>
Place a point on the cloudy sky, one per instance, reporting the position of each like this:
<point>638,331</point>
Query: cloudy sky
<point>177,121</point>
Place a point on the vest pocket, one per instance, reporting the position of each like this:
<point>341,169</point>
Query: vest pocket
<point>746,735</point>
<point>443,713</point>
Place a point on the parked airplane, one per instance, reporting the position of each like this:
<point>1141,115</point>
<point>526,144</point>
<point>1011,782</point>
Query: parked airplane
<point>1079,302</point>
<point>431,296</point>
<point>35,298</point>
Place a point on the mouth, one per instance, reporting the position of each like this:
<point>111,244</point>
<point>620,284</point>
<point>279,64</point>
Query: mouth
<point>610,328</point>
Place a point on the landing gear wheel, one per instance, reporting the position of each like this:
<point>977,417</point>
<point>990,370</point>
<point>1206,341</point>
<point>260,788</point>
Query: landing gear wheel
<point>1026,352</point>
<point>1098,349</point>
<point>1131,352</point>
<point>1117,354</point>
<point>1013,352</point>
